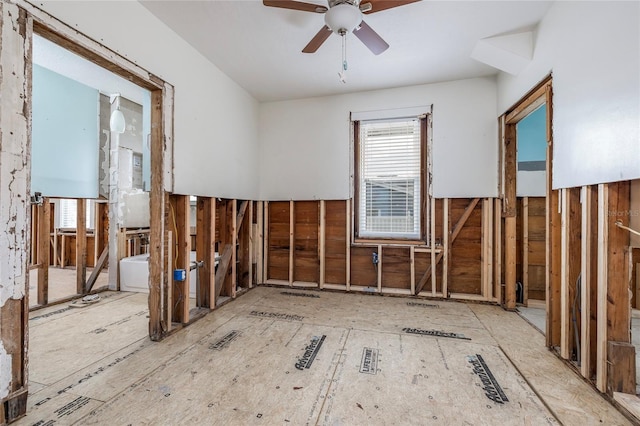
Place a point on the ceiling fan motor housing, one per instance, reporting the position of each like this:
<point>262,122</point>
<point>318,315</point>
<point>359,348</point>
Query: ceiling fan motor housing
<point>343,16</point>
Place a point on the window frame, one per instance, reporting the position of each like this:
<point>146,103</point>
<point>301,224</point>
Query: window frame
<point>425,182</point>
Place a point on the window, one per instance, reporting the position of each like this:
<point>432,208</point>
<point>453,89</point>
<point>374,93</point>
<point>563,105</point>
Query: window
<point>69,211</point>
<point>390,164</point>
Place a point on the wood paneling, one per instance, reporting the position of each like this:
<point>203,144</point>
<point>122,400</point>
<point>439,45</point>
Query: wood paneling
<point>363,272</point>
<point>66,249</point>
<point>466,251</point>
<point>299,222</point>
<point>335,242</point>
<point>536,232</point>
<point>306,225</point>
<point>396,271</point>
<point>279,243</point>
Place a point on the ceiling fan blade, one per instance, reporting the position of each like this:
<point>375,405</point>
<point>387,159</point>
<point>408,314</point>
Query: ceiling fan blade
<point>295,5</point>
<point>378,5</point>
<point>317,40</point>
<point>370,38</point>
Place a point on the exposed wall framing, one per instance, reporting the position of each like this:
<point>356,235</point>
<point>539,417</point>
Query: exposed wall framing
<point>222,241</point>
<point>57,247</point>
<point>310,244</point>
<point>519,236</point>
<point>17,24</point>
<point>533,248</point>
<point>588,260</point>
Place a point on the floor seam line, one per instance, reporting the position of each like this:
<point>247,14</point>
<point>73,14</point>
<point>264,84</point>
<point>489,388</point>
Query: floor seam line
<point>344,345</point>
<point>533,388</point>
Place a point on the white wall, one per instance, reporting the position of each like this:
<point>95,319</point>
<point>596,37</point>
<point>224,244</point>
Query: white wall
<point>305,144</point>
<point>593,49</point>
<point>215,120</point>
<point>65,144</point>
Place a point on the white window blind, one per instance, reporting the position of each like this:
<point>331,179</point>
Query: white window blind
<point>69,213</point>
<point>389,178</point>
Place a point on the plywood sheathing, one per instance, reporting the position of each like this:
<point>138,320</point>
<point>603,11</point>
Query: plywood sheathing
<point>279,241</point>
<point>535,248</point>
<point>306,263</point>
<point>419,379</point>
<point>309,244</point>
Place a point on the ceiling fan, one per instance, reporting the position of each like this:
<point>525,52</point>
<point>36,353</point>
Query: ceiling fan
<point>342,17</point>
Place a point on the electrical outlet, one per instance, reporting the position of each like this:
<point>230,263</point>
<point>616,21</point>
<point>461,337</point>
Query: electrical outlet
<point>374,258</point>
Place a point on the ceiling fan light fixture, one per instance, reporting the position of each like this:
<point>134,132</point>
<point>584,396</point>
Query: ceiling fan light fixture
<point>343,17</point>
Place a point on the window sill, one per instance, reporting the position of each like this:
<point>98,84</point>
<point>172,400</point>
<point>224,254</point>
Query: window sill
<point>383,242</point>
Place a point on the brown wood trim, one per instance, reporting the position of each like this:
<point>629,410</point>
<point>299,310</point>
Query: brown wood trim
<point>57,32</point>
<point>501,172</point>
<point>553,237</point>
<point>527,104</point>
<point>424,192</point>
<point>424,128</point>
<point>510,171</point>
<point>356,178</point>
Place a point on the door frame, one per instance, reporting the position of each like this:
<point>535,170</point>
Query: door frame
<point>541,94</point>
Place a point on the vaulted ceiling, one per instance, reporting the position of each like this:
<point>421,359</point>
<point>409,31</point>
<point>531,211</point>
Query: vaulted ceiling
<point>260,47</point>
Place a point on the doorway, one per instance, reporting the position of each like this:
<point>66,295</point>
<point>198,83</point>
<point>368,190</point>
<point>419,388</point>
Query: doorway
<point>89,175</point>
<point>528,217</point>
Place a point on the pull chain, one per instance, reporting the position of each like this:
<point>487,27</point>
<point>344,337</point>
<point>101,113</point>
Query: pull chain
<point>343,72</point>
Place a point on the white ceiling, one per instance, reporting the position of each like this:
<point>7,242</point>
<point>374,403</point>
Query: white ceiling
<point>260,47</point>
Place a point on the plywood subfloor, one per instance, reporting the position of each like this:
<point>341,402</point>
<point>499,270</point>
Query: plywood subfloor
<point>237,366</point>
<point>537,317</point>
<point>62,283</point>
